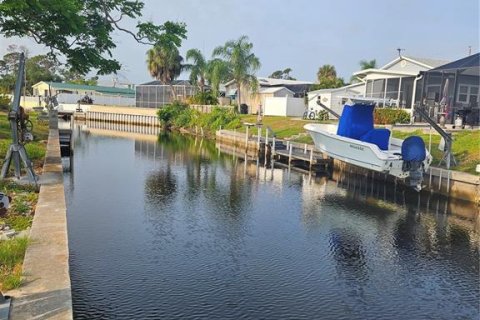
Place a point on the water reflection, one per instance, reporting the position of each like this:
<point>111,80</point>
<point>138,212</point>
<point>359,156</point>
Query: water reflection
<point>208,235</point>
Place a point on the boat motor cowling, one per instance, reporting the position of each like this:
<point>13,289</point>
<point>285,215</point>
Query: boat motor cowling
<point>413,155</point>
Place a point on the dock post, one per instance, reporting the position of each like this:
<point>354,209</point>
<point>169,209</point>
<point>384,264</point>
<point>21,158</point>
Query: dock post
<point>234,137</point>
<point>448,183</point>
<point>273,146</point>
<point>289,155</point>
<point>266,147</point>
<point>311,159</point>
<point>259,133</point>
<point>305,149</point>
<point>440,180</point>
<point>246,138</point>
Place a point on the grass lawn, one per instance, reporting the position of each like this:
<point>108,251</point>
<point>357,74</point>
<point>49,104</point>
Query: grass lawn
<point>466,147</point>
<point>466,144</point>
<point>35,149</point>
<point>24,198</point>
<point>283,127</point>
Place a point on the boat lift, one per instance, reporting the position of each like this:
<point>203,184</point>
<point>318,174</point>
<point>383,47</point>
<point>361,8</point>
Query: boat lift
<point>17,151</point>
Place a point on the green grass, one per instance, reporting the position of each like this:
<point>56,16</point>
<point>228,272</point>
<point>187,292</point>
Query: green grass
<point>466,144</point>
<point>466,147</point>
<point>17,222</point>
<point>284,127</point>
<point>12,253</point>
<point>36,149</point>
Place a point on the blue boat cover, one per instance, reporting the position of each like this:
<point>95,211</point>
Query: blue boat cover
<point>355,121</point>
<point>380,137</point>
<point>413,149</point>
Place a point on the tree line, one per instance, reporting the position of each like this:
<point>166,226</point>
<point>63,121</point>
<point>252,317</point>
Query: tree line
<point>81,33</point>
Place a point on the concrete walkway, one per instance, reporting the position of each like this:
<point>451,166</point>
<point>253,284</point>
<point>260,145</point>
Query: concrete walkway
<point>46,292</point>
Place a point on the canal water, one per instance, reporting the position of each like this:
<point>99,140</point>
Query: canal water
<point>170,228</point>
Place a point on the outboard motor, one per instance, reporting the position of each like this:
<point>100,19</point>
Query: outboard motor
<point>413,155</point>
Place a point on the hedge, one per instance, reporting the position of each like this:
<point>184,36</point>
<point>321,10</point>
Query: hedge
<point>391,116</point>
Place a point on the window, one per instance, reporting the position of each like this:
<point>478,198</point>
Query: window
<point>467,93</point>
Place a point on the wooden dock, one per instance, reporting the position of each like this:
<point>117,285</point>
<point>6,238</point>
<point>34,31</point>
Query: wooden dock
<point>291,154</point>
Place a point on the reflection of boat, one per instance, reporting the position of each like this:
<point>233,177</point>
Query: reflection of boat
<point>356,141</point>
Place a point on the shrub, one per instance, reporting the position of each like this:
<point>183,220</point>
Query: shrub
<point>203,98</point>
<point>4,103</point>
<point>391,116</point>
<point>169,112</point>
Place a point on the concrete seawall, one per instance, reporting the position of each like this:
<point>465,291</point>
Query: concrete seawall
<point>46,291</point>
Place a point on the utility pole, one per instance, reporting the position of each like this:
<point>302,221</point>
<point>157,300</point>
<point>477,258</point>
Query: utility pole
<point>17,151</point>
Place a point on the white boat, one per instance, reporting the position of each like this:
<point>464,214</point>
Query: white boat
<point>370,148</point>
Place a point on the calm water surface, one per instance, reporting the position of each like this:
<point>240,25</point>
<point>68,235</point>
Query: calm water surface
<point>176,230</point>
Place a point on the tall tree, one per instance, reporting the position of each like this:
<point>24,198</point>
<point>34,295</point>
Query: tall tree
<point>327,78</point>
<point>282,74</point>
<point>164,63</point>
<point>82,30</point>
<point>242,63</point>
<point>364,64</point>
<point>198,68</point>
<point>218,72</point>
<point>37,68</point>
<point>72,76</point>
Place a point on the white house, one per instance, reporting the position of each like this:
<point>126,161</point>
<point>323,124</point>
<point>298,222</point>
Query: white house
<point>267,88</point>
<point>395,81</point>
<point>334,98</point>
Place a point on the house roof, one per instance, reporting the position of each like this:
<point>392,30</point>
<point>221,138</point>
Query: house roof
<point>270,82</point>
<point>425,62</point>
<point>472,61</point>
<point>174,82</point>
<point>276,82</point>
<point>344,88</point>
<point>273,89</point>
<point>99,89</point>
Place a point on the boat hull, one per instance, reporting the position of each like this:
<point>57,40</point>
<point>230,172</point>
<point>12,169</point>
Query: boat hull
<point>359,153</point>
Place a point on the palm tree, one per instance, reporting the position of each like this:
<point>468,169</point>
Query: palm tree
<point>218,72</point>
<point>327,78</point>
<point>372,64</point>
<point>198,69</point>
<point>364,64</point>
<point>165,64</point>
<point>327,71</point>
<point>241,61</point>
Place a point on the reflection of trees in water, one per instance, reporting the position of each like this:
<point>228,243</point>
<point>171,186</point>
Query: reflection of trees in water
<point>349,254</point>
<point>432,237</point>
<point>161,186</point>
<point>201,164</point>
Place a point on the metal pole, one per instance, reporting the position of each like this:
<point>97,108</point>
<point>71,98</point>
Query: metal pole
<point>266,147</point>
<point>289,155</point>
<point>311,159</point>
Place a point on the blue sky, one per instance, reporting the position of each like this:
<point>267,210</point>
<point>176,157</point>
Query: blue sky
<point>305,34</point>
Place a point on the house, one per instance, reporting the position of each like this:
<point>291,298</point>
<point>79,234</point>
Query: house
<point>267,88</point>
<point>70,93</point>
<point>154,94</point>
<point>395,81</point>
<point>451,89</point>
<point>334,98</point>
<point>394,84</point>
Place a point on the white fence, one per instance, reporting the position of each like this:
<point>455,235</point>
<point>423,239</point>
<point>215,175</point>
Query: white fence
<point>98,99</point>
<point>65,98</point>
<point>284,106</point>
